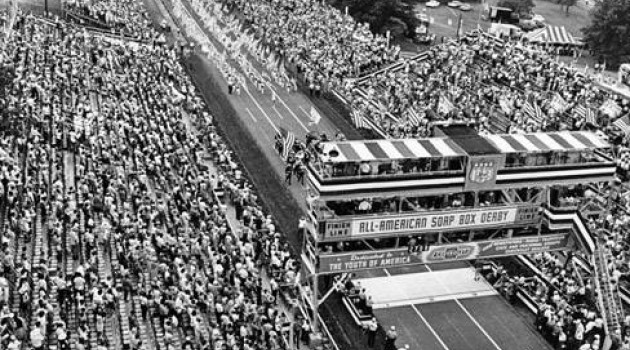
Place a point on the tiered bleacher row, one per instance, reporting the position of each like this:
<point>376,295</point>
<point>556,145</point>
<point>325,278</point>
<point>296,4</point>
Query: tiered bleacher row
<point>116,232</point>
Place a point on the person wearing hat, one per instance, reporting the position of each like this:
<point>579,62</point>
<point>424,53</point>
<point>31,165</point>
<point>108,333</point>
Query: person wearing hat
<point>390,339</point>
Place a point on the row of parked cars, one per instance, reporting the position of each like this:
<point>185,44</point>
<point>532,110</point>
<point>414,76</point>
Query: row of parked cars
<point>453,4</point>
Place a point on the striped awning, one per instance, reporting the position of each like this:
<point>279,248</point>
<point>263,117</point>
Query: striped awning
<point>378,150</point>
<point>544,142</point>
<point>551,35</point>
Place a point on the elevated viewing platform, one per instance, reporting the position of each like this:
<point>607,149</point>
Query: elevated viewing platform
<point>350,169</point>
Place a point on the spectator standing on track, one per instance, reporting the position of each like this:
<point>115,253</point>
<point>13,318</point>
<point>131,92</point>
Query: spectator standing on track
<point>297,331</point>
<point>372,326</point>
<point>288,174</point>
<point>390,339</point>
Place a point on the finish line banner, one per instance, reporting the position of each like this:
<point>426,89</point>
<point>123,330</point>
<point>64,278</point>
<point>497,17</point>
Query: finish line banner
<point>421,222</point>
<point>349,262</point>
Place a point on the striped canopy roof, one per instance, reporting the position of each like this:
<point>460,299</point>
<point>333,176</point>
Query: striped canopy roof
<point>551,35</point>
<point>371,150</point>
<point>437,147</point>
<point>544,142</point>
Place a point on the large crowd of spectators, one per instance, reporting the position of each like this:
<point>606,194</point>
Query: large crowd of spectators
<point>112,236</point>
<point>488,84</point>
<point>124,17</point>
<point>323,44</point>
<point>109,220</point>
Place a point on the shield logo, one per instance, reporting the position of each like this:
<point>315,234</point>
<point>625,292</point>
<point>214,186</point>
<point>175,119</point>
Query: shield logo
<point>481,171</point>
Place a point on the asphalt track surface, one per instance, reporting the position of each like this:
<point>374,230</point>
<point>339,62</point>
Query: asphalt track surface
<point>249,122</point>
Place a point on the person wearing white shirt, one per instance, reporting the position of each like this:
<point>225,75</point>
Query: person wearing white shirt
<point>37,337</point>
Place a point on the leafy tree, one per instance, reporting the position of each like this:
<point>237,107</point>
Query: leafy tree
<point>378,13</point>
<point>608,35</point>
<point>567,4</point>
<point>518,6</point>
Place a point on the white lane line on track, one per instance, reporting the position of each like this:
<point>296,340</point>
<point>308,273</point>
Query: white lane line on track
<point>277,112</point>
<point>262,110</point>
<point>426,323</point>
<point>496,346</point>
<point>305,113</point>
<point>251,115</point>
<point>291,112</point>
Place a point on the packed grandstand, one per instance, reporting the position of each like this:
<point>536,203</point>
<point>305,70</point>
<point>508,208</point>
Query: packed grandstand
<point>127,221</point>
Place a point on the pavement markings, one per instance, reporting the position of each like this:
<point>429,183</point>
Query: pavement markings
<point>277,112</point>
<point>293,114</point>
<point>496,346</point>
<point>263,111</point>
<point>306,113</point>
<point>251,115</point>
<point>426,323</point>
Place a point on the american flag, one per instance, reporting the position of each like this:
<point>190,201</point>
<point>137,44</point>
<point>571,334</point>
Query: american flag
<point>611,108</point>
<point>533,110</point>
<point>413,117</point>
<point>586,113</point>
<point>358,120</point>
<point>623,123</point>
<point>288,140</point>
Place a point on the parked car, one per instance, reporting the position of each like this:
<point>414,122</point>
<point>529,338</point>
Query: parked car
<point>433,4</point>
<point>455,4</point>
<point>465,7</point>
